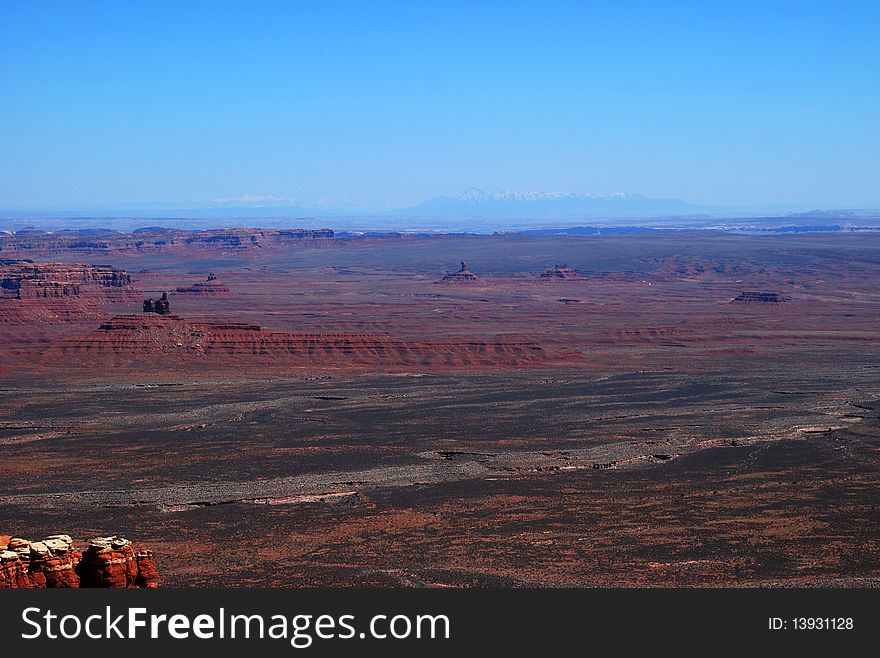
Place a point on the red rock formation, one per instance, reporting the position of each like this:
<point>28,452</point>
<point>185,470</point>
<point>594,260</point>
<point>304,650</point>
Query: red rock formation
<point>464,277</point>
<point>167,341</point>
<point>210,288</point>
<point>37,289</point>
<point>48,563</point>
<point>109,562</point>
<point>147,575</point>
<point>18,274</point>
<point>58,292</point>
<point>563,271</point>
<point>56,559</point>
<point>161,306</point>
<point>13,570</point>
<point>55,563</point>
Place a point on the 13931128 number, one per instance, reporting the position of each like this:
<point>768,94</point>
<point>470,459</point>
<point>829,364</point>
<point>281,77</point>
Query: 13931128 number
<point>822,623</point>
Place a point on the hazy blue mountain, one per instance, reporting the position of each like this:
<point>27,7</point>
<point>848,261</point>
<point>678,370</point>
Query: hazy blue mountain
<point>470,211</point>
<point>514,204</point>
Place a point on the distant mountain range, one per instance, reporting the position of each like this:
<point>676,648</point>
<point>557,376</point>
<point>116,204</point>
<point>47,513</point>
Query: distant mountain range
<point>470,211</point>
<point>544,205</point>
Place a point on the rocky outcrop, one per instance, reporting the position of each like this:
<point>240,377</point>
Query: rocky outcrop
<point>54,562</point>
<point>59,293</point>
<point>113,562</point>
<point>147,574</point>
<point>43,289</point>
<point>24,279</point>
<point>464,277</point>
<point>751,297</point>
<point>151,341</point>
<point>557,272</point>
<point>161,306</point>
<point>209,288</point>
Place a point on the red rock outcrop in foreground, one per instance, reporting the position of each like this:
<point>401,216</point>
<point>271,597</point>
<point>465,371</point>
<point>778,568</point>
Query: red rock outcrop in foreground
<point>151,340</point>
<point>55,562</point>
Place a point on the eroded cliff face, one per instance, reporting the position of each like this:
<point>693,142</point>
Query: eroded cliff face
<point>59,292</point>
<point>151,341</point>
<point>24,277</point>
<point>55,562</point>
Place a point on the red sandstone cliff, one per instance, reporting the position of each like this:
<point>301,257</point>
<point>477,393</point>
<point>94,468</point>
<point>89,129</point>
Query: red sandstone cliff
<point>151,341</point>
<point>59,292</point>
<point>55,562</point>
<point>19,277</point>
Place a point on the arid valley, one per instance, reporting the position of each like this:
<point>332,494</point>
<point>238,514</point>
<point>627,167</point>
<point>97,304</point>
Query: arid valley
<point>685,408</point>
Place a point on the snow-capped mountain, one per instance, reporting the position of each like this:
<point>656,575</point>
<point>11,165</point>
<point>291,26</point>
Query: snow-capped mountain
<point>474,202</point>
<point>476,194</point>
<point>471,194</point>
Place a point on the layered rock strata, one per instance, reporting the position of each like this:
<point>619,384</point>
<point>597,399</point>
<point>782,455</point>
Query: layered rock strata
<point>151,341</point>
<point>24,279</point>
<point>54,562</point>
<point>59,292</point>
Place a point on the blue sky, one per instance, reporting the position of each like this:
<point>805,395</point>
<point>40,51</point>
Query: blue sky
<point>390,103</point>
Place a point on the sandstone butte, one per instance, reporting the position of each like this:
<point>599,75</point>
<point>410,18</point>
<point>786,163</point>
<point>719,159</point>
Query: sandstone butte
<point>58,294</point>
<point>55,562</point>
<point>24,279</point>
<point>150,340</point>
<point>162,306</point>
<point>563,271</point>
<point>209,288</point>
<point>464,277</point>
<point>59,291</point>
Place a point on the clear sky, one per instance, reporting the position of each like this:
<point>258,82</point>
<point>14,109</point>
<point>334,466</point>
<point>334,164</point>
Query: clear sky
<point>390,103</point>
